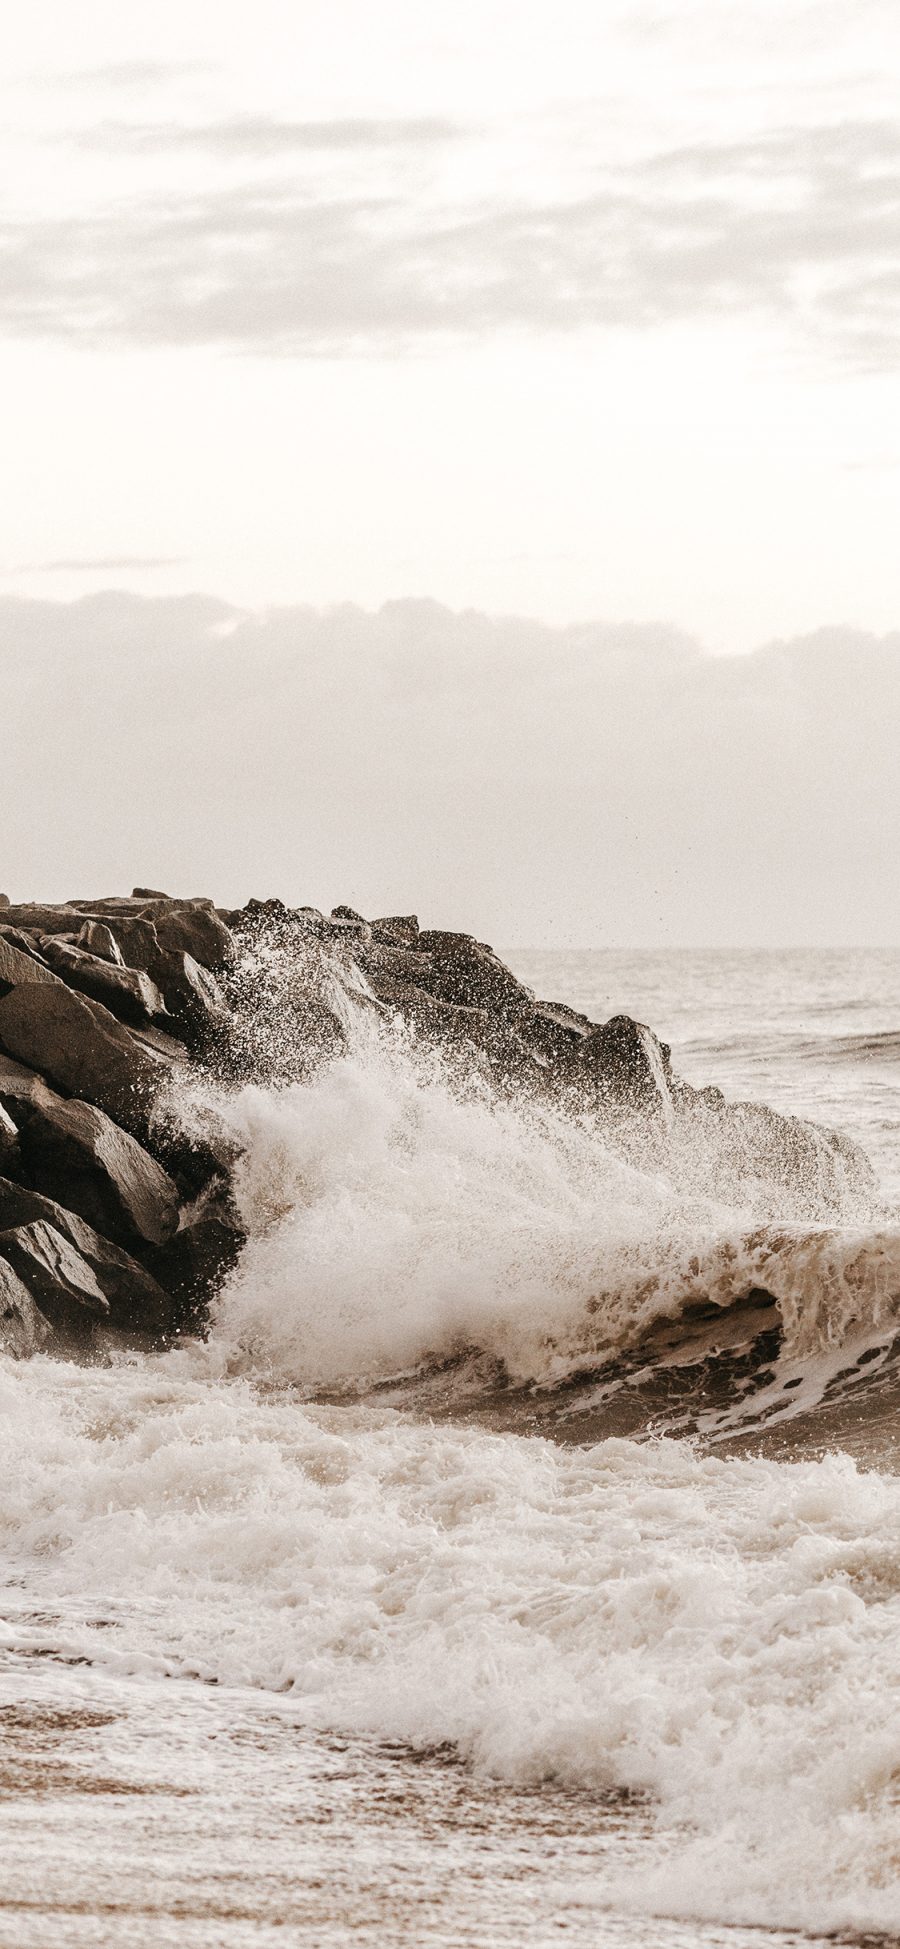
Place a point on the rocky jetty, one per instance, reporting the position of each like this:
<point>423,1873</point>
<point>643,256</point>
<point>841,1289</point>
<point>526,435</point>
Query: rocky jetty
<point>116,1221</point>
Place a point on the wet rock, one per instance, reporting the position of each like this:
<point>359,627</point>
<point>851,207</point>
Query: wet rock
<point>196,931</point>
<point>396,930</point>
<point>73,1152</point>
<point>462,970</point>
<point>126,992</point>
<point>58,1279</point>
<point>136,1299</point>
<point>195,1262</point>
<point>83,1049</point>
<point>191,994</point>
<point>23,1329</point>
<point>627,1065</point>
<point>18,967</point>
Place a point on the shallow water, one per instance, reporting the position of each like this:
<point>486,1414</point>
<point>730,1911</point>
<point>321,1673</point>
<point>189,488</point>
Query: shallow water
<point>400,1669</point>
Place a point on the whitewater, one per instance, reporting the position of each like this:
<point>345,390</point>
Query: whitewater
<point>518,1559</point>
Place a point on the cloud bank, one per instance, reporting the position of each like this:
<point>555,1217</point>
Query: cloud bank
<point>597,785</point>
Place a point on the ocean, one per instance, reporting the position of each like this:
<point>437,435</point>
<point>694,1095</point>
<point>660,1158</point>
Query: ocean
<point>518,1561</point>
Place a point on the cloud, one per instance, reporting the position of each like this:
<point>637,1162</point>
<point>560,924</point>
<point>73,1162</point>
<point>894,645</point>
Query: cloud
<point>100,565</point>
<point>594,785</point>
<point>263,136</point>
<point>799,226</point>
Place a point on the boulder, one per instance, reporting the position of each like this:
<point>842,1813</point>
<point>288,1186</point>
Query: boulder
<point>9,1138</point>
<point>83,1049</point>
<point>17,967</point>
<point>95,938</point>
<point>23,1329</point>
<point>128,993</point>
<point>396,930</point>
<point>19,1087</point>
<point>59,1280</point>
<point>191,994</point>
<point>196,931</point>
<point>136,1299</point>
<point>73,1152</point>
<point>44,920</point>
<point>462,970</point>
<point>627,1066</point>
<point>194,1263</point>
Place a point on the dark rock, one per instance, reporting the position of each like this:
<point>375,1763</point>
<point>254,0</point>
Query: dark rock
<point>127,992</point>
<point>17,967</point>
<point>5,900</point>
<point>627,1065</point>
<point>83,1049</point>
<point>26,943</point>
<point>396,930</point>
<point>193,1265</point>
<point>9,1139</point>
<point>23,1329</point>
<point>196,931</point>
<point>59,1280</point>
<point>73,1152</point>
<point>136,1299</point>
<point>44,920</point>
<point>19,1086</point>
<point>348,913</point>
<point>95,938</point>
<point>465,971</point>
<point>149,893</point>
<point>192,995</point>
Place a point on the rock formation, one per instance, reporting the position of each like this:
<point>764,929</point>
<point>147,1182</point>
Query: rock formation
<point>116,1225</point>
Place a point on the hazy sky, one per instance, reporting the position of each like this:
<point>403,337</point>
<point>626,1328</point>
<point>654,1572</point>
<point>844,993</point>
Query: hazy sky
<point>579,312</point>
<point>598,785</point>
<point>570,310</point>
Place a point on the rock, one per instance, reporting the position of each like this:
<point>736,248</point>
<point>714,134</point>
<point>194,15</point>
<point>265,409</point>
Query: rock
<point>136,1299</point>
<point>196,931</point>
<point>149,893</point>
<point>19,1086</point>
<point>73,1152</point>
<point>396,930</point>
<point>127,992</point>
<point>83,1049</point>
<point>191,994</point>
<point>59,1280</point>
<point>44,920</point>
<point>348,913</point>
<point>95,938</point>
<point>195,1262</point>
<point>4,900</point>
<point>23,1329</point>
<point>628,1067</point>
<point>9,1138</point>
<point>465,971</point>
<point>17,967</point>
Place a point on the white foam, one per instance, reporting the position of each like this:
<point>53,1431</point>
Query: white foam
<point>720,1635</point>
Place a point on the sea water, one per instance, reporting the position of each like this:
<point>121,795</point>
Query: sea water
<point>333,1629</point>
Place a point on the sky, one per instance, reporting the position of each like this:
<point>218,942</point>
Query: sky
<point>586,314</point>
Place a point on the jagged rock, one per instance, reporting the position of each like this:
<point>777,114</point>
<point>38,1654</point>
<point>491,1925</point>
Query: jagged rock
<point>19,1086</point>
<point>18,967</point>
<point>83,1049</point>
<point>23,1329</point>
<point>191,994</point>
<point>9,1138</point>
<point>396,930</point>
<point>627,1065</point>
<point>348,913</point>
<point>195,1261</point>
<point>38,919</point>
<point>127,992</point>
<point>462,970</point>
<point>136,1299</point>
<point>59,1280</point>
<point>95,938</point>
<point>74,1151</point>
<point>196,931</point>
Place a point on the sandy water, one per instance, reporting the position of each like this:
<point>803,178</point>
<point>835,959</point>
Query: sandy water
<point>275,1668</point>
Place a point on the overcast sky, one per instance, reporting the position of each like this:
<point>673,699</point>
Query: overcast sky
<point>585,313</point>
<point>572,310</point>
